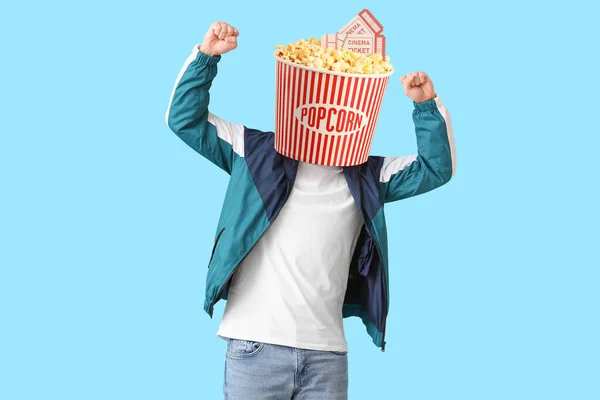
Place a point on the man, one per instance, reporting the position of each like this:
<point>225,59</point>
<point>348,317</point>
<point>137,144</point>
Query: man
<point>299,247</point>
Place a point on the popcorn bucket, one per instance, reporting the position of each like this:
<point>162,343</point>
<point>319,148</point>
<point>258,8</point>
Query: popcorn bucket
<point>325,117</point>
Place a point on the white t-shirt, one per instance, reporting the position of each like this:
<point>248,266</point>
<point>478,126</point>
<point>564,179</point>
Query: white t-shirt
<point>290,289</point>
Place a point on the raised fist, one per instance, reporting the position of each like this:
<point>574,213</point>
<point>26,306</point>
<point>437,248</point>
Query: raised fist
<point>220,38</point>
<point>418,86</point>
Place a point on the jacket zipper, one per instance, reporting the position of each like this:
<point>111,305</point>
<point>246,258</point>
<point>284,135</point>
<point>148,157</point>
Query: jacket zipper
<point>378,253</point>
<point>287,194</point>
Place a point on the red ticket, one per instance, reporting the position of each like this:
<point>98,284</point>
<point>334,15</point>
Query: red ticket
<point>366,44</point>
<point>364,23</point>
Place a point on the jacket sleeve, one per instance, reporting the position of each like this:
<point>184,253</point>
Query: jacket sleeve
<point>188,116</point>
<point>435,161</point>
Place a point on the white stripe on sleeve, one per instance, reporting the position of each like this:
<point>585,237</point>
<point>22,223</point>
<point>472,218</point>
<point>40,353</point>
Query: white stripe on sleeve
<point>229,132</point>
<point>393,165</point>
<point>446,116</point>
<point>186,64</point>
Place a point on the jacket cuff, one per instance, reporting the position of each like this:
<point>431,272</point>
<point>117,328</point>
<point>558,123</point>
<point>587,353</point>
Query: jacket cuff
<point>429,105</point>
<point>205,59</point>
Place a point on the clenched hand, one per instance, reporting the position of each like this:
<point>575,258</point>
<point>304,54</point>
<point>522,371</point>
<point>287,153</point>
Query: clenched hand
<point>220,39</point>
<point>418,86</point>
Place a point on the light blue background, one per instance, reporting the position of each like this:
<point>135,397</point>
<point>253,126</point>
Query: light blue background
<point>107,219</point>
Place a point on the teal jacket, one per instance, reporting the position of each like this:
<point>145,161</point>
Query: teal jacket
<point>261,180</point>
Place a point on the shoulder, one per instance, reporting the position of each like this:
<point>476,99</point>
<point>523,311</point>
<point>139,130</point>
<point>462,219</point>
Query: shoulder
<point>258,142</point>
<point>374,164</point>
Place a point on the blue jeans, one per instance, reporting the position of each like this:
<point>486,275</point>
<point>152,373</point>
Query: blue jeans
<point>262,371</point>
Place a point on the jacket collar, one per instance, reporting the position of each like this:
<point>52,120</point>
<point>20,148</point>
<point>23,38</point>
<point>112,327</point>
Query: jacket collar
<point>351,172</point>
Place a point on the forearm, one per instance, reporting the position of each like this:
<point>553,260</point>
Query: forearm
<point>188,116</point>
<point>187,113</point>
<point>435,141</point>
<point>432,166</point>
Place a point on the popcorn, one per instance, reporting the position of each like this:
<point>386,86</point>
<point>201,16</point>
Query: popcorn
<point>310,53</point>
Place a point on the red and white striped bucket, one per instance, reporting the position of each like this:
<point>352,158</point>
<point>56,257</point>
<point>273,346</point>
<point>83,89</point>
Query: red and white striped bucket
<point>325,117</point>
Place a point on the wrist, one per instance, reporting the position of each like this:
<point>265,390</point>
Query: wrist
<point>429,99</point>
<point>206,51</point>
<point>203,58</point>
<point>428,105</point>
